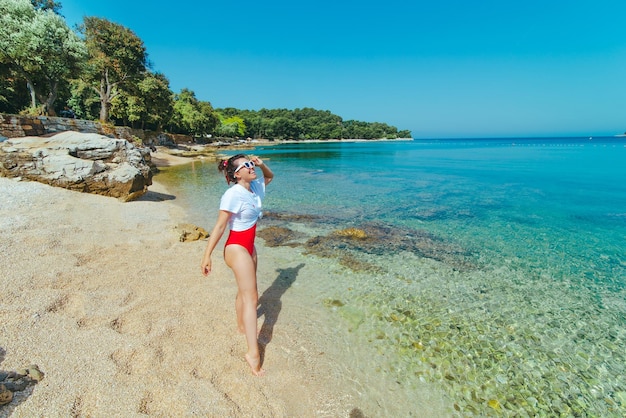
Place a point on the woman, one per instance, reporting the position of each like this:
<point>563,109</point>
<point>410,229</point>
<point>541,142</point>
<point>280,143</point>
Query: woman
<point>240,208</point>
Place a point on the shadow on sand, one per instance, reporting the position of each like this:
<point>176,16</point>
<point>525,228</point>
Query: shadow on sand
<point>151,196</point>
<point>270,304</point>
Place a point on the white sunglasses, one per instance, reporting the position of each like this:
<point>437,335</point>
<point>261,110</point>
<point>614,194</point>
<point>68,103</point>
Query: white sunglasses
<point>247,164</point>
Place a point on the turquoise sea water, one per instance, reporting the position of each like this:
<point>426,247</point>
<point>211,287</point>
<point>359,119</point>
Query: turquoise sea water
<point>494,268</point>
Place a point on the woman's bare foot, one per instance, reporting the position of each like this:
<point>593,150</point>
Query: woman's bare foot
<point>255,365</point>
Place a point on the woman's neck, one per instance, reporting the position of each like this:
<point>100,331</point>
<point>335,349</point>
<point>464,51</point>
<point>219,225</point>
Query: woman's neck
<point>244,184</point>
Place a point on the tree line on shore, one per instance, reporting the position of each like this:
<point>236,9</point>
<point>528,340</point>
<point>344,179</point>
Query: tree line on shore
<point>101,71</point>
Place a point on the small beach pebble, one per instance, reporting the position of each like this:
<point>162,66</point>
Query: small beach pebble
<point>34,373</point>
<point>6,395</point>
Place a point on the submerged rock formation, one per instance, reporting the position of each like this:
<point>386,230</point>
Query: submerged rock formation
<point>90,163</point>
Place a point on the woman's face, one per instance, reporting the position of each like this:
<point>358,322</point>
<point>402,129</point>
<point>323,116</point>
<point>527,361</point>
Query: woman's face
<point>244,169</point>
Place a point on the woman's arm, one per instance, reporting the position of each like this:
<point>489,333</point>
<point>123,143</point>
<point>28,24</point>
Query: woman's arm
<point>268,175</point>
<point>218,230</point>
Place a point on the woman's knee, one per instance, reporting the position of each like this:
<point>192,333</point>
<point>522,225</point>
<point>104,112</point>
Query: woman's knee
<point>249,296</point>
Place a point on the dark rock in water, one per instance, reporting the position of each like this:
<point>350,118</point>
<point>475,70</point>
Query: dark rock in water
<point>89,163</point>
<point>381,239</point>
<point>275,236</point>
<point>333,303</point>
<point>290,217</point>
<point>357,413</point>
<point>354,264</point>
<point>351,243</point>
<point>352,233</point>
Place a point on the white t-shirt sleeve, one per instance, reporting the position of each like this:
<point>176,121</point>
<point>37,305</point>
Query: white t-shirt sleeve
<point>229,202</point>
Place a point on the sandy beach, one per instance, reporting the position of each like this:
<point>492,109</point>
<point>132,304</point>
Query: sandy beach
<point>104,298</point>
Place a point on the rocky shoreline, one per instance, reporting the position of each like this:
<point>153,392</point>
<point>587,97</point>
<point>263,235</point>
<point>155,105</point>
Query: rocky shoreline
<point>90,163</point>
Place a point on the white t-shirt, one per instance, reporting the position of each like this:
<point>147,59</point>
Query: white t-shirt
<point>243,204</point>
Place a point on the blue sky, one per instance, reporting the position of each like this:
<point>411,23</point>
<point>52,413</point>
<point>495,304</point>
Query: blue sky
<point>440,68</point>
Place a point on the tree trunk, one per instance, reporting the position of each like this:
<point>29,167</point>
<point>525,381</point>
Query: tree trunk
<point>107,94</point>
<point>33,94</point>
<point>49,101</point>
<point>104,99</point>
<point>104,109</point>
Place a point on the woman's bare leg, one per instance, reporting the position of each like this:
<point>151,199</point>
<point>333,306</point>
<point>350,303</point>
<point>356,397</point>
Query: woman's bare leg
<point>244,267</point>
<point>239,301</point>
<point>239,310</point>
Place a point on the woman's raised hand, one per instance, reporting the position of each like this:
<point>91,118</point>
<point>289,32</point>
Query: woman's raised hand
<point>256,160</point>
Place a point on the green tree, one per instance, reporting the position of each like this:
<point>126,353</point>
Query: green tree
<point>308,123</point>
<point>39,48</point>
<point>55,6</point>
<point>158,100</point>
<point>284,127</point>
<point>192,116</point>
<point>84,101</point>
<point>145,104</point>
<point>13,92</point>
<point>117,57</point>
<point>233,126</point>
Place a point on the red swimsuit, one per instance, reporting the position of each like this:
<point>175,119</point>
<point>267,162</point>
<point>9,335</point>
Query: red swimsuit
<point>243,238</point>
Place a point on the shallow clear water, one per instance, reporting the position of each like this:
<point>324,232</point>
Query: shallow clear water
<point>493,268</point>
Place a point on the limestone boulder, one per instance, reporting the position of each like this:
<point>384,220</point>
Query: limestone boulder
<point>85,162</point>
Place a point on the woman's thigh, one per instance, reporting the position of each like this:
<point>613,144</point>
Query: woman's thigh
<point>243,265</point>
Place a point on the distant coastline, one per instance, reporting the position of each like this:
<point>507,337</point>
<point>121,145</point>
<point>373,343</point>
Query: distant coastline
<point>522,138</point>
<point>303,141</point>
